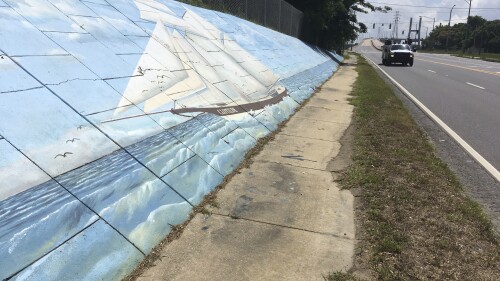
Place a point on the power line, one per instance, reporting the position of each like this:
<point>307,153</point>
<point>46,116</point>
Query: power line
<point>434,7</point>
<point>447,12</point>
<point>391,20</point>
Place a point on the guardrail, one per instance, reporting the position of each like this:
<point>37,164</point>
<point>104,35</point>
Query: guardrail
<point>371,41</point>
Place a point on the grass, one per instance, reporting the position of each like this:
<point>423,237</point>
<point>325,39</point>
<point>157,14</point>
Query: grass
<point>340,276</point>
<point>483,56</point>
<point>493,57</point>
<point>416,220</point>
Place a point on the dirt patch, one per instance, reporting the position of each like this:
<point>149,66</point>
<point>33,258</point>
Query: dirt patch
<point>344,157</point>
<point>361,263</point>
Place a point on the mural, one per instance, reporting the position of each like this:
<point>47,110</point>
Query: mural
<point>117,117</point>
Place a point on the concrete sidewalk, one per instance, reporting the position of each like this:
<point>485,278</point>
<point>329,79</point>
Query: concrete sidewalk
<point>283,217</point>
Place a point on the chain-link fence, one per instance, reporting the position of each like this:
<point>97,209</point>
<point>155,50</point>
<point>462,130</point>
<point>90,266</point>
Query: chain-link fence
<point>275,14</point>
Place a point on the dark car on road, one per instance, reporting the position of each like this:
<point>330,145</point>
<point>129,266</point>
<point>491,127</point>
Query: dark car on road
<point>397,53</point>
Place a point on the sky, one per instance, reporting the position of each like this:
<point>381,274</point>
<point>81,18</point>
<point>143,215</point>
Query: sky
<point>441,15</point>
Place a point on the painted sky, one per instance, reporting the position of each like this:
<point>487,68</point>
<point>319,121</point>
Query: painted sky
<point>441,14</point>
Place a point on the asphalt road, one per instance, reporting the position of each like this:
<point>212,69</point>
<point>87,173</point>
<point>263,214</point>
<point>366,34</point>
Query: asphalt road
<point>463,93</point>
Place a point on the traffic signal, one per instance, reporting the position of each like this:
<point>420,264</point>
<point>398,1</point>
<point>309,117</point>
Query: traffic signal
<point>373,26</point>
<point>390,25</point>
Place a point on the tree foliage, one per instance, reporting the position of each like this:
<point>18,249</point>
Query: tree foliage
<point>332,23</point>
<point>478,34</point>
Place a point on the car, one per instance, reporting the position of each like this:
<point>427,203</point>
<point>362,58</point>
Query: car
<point>397,53</point>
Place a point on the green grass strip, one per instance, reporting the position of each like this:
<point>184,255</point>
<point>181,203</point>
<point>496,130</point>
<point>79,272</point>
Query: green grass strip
<point>492,57</point>
<point>418,223</point>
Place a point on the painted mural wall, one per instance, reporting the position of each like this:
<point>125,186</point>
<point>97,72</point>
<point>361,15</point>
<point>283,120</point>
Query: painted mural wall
<point>117,117</point>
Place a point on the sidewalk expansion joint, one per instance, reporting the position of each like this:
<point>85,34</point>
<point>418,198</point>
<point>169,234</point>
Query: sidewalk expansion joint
<point>302,137</point>
<point>296,166</point>
<point>346,239</point>
<point>343,123</point>
<point>326,108</point>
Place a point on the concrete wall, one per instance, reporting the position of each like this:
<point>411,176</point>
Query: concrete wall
<point>117,117</point>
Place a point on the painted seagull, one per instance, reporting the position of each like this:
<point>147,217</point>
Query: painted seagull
<point>63,155</point>
<point>72,140</point>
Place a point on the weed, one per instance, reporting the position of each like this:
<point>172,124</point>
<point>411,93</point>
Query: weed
<point>340,276</point>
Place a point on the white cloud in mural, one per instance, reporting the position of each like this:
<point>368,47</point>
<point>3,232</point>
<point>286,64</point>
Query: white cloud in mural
<point>17,173</point>
<point>44,15</point>
<point>49,132</point>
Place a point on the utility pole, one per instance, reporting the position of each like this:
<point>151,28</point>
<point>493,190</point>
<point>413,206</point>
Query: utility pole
<point>449,21</point>
<point>468,27</point>
<point>396,22</point>
<point>419,28</point>
<point>470,3</point>
<point>448,31</point>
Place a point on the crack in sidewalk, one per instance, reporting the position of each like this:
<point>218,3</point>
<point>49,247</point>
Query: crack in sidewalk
<point>346,239</point>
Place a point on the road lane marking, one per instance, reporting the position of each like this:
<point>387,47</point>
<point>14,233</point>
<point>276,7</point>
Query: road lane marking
<point>462,67</point>
<point>475,85</point>
<point>431,71</point>
<point>480,159</point>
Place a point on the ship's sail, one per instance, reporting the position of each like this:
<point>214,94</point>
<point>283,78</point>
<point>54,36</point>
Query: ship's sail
<point>153,82</point>
<point>248,62</point>
<point>199,60</point>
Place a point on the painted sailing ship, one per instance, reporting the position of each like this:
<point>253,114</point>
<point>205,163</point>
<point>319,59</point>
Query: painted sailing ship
<point>205,71</point>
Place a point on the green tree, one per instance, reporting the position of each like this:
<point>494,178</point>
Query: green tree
<point>332,23</point>
<point>477,35</point>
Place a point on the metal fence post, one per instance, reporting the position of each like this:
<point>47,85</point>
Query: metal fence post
<point>265,12</point>
<point>286,12</point>
<point>279,17</point>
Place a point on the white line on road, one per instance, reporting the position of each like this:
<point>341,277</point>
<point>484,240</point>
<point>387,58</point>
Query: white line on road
<point>480,159</point>
<point>431,71</point>
<point>475,85</point>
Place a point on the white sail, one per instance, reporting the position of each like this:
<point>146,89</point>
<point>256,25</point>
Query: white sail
<point>152,82</point>
<point>253,66</point>
<point>202,65</point>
